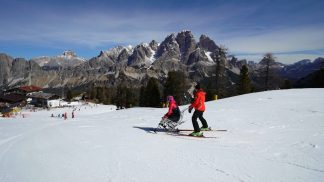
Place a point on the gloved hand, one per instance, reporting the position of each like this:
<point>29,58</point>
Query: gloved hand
<point>190,109</point>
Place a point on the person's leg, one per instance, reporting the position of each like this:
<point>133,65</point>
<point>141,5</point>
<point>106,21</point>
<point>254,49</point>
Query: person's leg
<point>194,121</point>
<point>202,119</point>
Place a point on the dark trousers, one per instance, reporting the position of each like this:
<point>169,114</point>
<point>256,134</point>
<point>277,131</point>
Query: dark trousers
<point>198,114</point>
<point>174,118</point>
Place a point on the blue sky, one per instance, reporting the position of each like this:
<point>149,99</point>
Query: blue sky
<point>292,30</point>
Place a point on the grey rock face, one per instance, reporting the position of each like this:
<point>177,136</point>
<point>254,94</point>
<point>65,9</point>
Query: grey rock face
<point>154,45</point>
<point>19,68</point>
<point>168,49</point>
<point>5,67</point>
<point>207,44</point>
<point>197,56</point>
<point>123,58</point>
<point>187,45</point>
<point>111,54</point>
<point>140,56</point>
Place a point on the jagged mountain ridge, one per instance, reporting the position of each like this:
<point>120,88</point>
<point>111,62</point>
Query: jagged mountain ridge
<point>178,51</point>
<point>67,59</point>
<point>302,68</point>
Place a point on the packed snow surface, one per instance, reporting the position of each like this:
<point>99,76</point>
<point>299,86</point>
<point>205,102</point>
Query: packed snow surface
<point>272,136</point>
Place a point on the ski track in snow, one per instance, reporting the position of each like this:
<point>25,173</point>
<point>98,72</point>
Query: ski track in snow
<point>272,136</point>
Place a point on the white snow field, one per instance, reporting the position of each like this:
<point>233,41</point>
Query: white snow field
<point>272,136</point>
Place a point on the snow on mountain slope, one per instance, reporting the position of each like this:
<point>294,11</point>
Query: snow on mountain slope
<point>272,136</point>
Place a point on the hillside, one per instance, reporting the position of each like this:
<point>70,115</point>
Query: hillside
<point>272,136</point>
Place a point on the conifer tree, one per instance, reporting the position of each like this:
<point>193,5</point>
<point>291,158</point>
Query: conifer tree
<point>176,86</point>
<point>130,97</point>
<point>268,60</point>
<point>93,93</point>
<point>152,93</point>
<point>101,95</point>
<point>244,85</point>
<point>121,96</point>
<point>142,99</point>
<point>69,95</point>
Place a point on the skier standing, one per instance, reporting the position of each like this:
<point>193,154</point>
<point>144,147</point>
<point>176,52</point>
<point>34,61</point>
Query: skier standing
<point>199,105</point>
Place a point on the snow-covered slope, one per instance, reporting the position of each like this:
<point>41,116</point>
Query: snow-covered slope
<point>272,136</point>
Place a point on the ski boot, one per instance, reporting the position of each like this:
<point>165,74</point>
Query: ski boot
<point>197,134</point>
<point>205,129</point>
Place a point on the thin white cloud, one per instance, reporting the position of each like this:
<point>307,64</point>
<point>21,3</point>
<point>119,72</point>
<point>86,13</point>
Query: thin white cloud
<point>295,39</point>
<point>285,44</point>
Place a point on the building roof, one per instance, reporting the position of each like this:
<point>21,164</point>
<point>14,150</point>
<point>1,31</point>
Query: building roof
<point>41,95</point>
<point>12,98</point>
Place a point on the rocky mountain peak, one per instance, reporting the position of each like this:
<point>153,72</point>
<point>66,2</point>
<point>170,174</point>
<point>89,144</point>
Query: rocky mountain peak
<point>319,61</point>
<point>208,44</point>
<point>113,52</point>
<point>5,59</point>
<point>185,33</point>
<point>169,45</point>
<point>187,44</point>
<point>141,55</point>
<point>69,53</point>
<point>154,45</point>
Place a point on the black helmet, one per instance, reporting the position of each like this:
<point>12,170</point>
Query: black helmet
<point>197,86</point>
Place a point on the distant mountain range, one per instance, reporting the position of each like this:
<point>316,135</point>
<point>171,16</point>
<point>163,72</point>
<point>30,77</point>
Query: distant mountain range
<point>179,51</point>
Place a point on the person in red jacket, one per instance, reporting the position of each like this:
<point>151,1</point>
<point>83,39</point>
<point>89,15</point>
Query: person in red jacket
<point>173,113</point>
<point>199,105</point>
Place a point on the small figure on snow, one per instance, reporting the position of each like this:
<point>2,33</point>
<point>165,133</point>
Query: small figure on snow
<point>174,111</point>
<point>170,119</point>
<point>199,105</point>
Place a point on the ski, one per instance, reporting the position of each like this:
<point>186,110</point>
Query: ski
<point>186,135</point>
<point>202,131</point>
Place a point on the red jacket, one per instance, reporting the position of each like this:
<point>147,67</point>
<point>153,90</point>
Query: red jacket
<point>172,106</point>
<point>199,102</point>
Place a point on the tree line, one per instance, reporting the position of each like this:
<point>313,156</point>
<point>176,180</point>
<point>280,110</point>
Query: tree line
<point>153,92</point>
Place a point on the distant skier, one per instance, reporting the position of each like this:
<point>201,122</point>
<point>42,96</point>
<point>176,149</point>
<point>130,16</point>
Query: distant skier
<point>173,114</point>
<point>199,105</point>
<point>65,116</point>
<point>72,114</point>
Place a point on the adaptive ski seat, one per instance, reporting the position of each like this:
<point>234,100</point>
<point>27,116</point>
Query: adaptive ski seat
<point>171,125</point>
